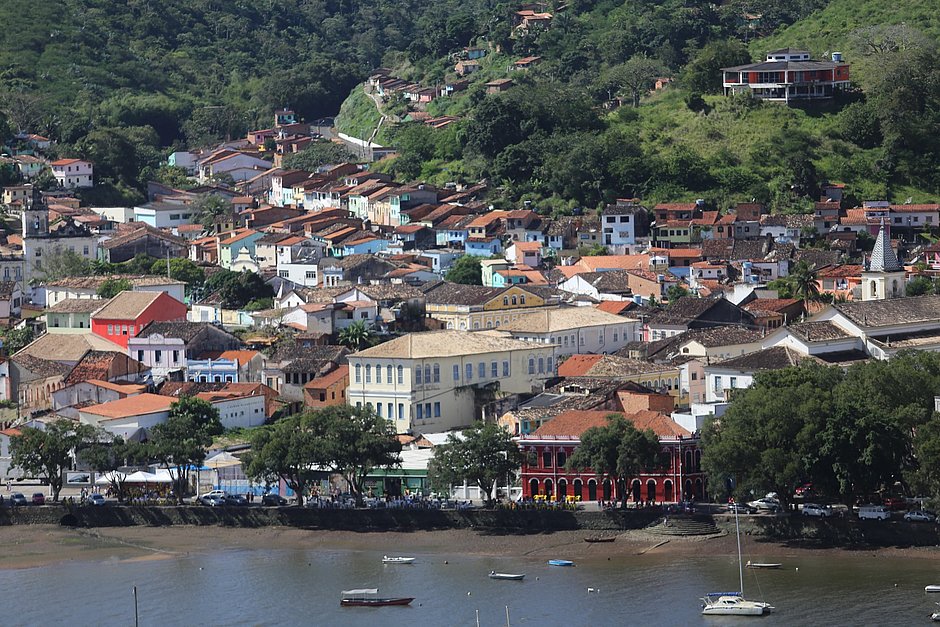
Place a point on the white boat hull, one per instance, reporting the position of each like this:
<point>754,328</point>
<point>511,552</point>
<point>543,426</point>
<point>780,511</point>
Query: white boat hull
<point>507,576</point>
<point>735,606</point>
<point>398,560</point>
<point>932,588</point>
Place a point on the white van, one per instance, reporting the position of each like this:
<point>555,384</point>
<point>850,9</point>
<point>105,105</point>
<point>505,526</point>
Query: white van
<point>874,512</point>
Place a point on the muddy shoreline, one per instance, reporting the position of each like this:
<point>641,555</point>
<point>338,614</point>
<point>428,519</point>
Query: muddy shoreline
<point>43,545</point>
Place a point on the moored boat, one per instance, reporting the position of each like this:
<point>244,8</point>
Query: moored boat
<point>361,597</point>
<point>932,588</point>
<point>763,565</point>
<point>560,563</point>
<point>507,576</point>
<point>733,604</point>
<point>610,539</point>
<point>397,560</point>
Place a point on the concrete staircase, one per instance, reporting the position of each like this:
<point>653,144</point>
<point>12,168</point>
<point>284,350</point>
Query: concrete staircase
<point>675,526</point>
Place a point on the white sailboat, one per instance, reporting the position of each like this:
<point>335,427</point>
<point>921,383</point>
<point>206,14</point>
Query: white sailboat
<point>734,603</point>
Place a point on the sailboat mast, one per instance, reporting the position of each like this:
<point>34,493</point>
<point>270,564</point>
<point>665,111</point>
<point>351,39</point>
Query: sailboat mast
<point>737,532</point>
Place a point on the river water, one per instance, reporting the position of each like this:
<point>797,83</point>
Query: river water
<point>264,587</point>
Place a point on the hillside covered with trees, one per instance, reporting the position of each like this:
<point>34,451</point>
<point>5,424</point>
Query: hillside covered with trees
<point>121,83</point>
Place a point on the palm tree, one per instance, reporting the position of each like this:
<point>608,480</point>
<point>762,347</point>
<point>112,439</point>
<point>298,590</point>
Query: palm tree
<point>357,335</point>
<point>804,283</point>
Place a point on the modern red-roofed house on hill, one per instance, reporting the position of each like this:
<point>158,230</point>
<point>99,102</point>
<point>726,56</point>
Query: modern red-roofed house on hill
<point>125,315</point>
<point>72,173</point>
<point>546,452</point>
<point>788,74</point>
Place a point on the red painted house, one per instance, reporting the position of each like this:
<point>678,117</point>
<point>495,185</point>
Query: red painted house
<point>553,443</point>
<point>123,317</point>
<point>788,74</point>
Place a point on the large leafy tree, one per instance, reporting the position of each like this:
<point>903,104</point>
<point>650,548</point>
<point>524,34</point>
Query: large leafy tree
<point>112,287</point>
<point>484,454</point>
<point>237,289</point>
<point>466,270</point>
<point>361,441</point>
<point>181,442</point>
<point>289,450</point>
<point>347,440</point>
<point>703,72</point>
<point>618,450</point>
<point>48,452</point>
<point>318,154</point>
<point>182,270</point>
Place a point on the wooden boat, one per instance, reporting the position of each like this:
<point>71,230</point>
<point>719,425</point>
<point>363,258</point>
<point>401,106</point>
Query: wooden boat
<point>397,560</point>
<point>610,539</point>
<point>763,565</point>
<point>507,576</point>
<point>362,598</point>
<point>560,563</point>
<point>932,588</point>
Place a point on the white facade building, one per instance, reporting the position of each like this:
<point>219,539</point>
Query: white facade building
<point>575,330</point>
<point>428,381</point>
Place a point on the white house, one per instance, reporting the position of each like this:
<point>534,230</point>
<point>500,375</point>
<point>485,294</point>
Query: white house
<point>737,373</point>
<point>163,215</point>
<point>73,173</point>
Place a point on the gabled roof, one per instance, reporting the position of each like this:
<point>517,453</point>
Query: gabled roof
<point>450,343</point>
<point>561,319</point>
<point>773,358</point>
<point>606,366</point>
<point>893,311</point>
<point>131,406</point>
<point>126,306</point>
<point>68,346</point>
<point>185,331</point>
<point>41,367</point>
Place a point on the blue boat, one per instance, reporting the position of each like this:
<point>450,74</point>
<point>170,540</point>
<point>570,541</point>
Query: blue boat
<point>560,563</point>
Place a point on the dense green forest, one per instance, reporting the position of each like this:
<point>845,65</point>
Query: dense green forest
<point>122,82</point>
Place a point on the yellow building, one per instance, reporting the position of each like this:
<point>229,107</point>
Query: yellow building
<point>428,382</point>
<point>473,307</point>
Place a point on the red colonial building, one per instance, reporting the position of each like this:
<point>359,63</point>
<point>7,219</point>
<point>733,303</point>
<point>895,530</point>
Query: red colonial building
<point>125,315</point>
<point>788,74</point>
<point>553,443</point>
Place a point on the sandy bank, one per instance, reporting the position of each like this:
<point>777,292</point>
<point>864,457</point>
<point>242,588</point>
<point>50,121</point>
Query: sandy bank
<point>26,547</point>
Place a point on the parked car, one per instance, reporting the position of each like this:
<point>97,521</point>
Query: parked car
<point>275,500</point>
<point>234,499</point>
<point>96,500</point>
<point>817,511</point>
<point>766,504</point>
<point>895,503</point>
<point>920,515</point>
<point>741,508</point>
<point>804,491</point>
<point>39,498</point>
<point>17,498</point>
<point>874,512</point>
<point>211,500</point>
<point>218,493</point>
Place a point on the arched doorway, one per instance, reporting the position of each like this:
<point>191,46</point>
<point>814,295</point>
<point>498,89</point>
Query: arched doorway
<point>698,461</point>
<point>592,490</point>
<point>607,489</point>
<point>651,490</point>
<point>687,490</point>
<point>668,494</point>
<point>635,491</point>
<point>688,461</point>
<point>562,489</point>
<point>548,488</point>
<point>577,490</point>
<point>699,490</point>
<point>533,487</point>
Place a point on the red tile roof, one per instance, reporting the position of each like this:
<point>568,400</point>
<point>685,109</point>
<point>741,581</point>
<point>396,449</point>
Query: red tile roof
<point>615,306</point>
<point>329,379</point>
<point>573,423</point>
<point>578,365</point>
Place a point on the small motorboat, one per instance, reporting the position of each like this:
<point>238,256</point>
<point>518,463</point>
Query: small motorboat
<point>932,588</point>
<point>560,563</point>
<point>935,616</point>
<point>763,565</point>
<point>507,576</point>
<point>610,539</point>
<point>397,560</point>
<point>362,597</point>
